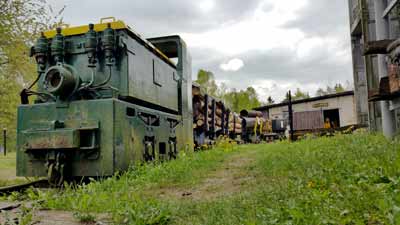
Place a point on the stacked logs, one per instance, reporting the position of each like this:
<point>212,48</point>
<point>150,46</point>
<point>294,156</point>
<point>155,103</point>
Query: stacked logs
<point>252,120</point>
<point>253,117</point>
<point>198,111</point>
<point>235,124</point>
<point>251,114</point>
<point>253,123</point>
<point>209,115</point>
<point>220,116</point>
<point>212,117</point>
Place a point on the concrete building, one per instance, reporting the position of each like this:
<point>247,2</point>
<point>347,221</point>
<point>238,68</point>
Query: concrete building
<point>311,113</point>
<point>373,22</point>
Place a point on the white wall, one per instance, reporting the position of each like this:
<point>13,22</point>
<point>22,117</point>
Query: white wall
<point>345,104</point>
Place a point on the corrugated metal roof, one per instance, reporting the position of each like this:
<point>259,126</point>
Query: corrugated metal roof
<point>341,94</point>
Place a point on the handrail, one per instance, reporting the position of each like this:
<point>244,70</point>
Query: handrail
<point>107,19</point>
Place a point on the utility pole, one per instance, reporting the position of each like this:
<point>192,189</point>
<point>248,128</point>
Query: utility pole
<point>382,33</point>
<point>5,141</point>
<point>290,109</point>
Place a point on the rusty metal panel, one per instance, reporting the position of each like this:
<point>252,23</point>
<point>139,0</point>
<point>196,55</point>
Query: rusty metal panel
<point>309,120</point>
<point>54,139</point>
<point>394,80</point>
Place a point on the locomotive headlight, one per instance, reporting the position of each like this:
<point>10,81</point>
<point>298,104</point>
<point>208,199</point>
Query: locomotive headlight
<point>60,81</point>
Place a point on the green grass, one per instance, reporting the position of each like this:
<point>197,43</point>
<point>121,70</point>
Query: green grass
<point>347,179</point>
<point>8,170</point>
<point>8,161</point>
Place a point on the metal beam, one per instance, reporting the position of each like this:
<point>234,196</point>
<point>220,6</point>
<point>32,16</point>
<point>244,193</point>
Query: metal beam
<point>354,25</point>
<point>382,33</point>
<point>377,47</point>
<point>389,8</point>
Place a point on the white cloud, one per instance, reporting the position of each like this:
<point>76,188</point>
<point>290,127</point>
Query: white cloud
<point>306,46</point>
<point>232,65</point>
<point>207,5</point>
<point>264,30</point>
<point>278,89</point>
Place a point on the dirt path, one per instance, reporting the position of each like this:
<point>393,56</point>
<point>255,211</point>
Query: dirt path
<point>11,212</point>
<point>233,176</point>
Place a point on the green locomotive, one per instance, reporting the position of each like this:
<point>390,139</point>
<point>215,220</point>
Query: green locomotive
<point>106,99</point>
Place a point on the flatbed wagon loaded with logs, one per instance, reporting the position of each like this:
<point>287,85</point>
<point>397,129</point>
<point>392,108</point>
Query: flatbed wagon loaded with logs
<point>211,118</point>
<point>235,127</point>
<point>253,124</point>
<point>257,128</point>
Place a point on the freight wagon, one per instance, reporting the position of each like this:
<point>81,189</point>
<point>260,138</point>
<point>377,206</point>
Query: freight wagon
<point>257,128</point>
<point>212,119</point>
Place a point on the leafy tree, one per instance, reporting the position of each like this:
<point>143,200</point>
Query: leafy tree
<point>243,99</point>
<point>330,90</point>
<point>234,99</point>
<point>339,88</point>
<point>207,82</point>
<point>300,95</point>
<point>250,99</point>
<point>20,23</point>
<point>231,99</point>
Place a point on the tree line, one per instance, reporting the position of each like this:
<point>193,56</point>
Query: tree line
<point>235,99</point>
<point>248,98</point>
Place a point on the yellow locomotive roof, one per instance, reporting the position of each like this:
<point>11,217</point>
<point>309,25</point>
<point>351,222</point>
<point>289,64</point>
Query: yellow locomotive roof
<point>77,30</point>
<point>115,24</point>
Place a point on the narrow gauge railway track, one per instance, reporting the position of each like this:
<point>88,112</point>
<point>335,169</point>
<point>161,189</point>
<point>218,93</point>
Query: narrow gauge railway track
<point>43,183</point>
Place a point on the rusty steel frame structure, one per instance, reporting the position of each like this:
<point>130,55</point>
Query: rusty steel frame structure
<point>373,28</point>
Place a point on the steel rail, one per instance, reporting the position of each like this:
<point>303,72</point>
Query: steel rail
<point>21,187</point>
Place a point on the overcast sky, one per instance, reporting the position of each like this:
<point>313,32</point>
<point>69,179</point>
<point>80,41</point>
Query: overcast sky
<point>272,45</point>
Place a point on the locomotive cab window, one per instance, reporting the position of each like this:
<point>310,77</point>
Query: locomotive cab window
<point>157,71</point>
<point>168,48</point>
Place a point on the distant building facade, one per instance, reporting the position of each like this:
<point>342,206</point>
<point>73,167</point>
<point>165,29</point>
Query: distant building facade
<point>372,21</point>
<point>311,113</point>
